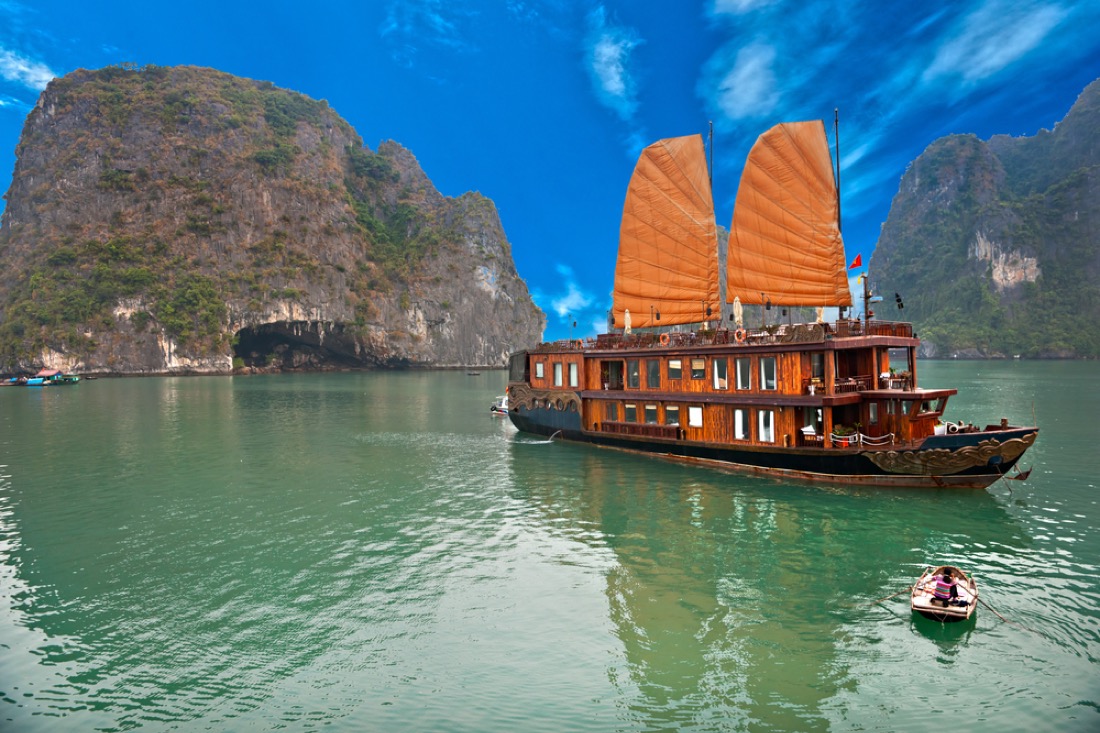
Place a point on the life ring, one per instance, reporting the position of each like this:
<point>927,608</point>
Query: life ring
<point>663,339</point>
<point>739,335</point>
<point>952,427</point>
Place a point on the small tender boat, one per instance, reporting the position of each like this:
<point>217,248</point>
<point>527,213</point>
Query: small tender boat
<point>925,603</point>
<point>500,406</point>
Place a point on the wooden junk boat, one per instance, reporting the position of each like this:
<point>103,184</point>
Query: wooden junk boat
<point>923,601</point>
<point>835,403</point>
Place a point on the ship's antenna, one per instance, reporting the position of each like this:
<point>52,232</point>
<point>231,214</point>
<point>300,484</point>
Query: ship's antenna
<point>836,137</point>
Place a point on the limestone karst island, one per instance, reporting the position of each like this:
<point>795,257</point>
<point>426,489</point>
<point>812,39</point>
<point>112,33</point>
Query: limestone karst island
<point>183,220</point>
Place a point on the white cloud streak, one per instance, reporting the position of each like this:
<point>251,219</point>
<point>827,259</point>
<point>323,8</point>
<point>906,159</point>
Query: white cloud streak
<point>19,69</point>
<point>608,57</point>
<point>574,300</point>
<point>749,88</point>
<point>992,38</point>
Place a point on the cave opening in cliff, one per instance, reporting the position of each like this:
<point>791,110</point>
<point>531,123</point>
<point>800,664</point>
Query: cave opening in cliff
<point>292,345</point>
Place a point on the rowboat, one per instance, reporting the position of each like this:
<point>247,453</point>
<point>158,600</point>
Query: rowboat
<point>958,609</point>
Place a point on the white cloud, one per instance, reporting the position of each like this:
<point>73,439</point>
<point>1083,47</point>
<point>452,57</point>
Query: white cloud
<point>21,70</point>
<point>737,7</point>
<point>993,37</point>
<point>573,300</point>
<point>608,58</point>
<point>409,24</point>
<point>749,88</point>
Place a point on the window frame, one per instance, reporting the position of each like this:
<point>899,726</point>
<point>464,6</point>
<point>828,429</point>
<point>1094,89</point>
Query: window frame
<point>743,368</point>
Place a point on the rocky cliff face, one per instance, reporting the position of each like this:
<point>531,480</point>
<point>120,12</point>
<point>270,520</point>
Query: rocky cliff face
<point>167,220</point>
<point>995,246</point>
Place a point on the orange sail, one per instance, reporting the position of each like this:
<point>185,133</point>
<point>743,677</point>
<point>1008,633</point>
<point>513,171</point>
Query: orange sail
<point>668,246</point>
<point>785,245</point>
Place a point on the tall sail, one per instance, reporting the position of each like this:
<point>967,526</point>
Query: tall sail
<point>785,245</point>
<point>668,246</point>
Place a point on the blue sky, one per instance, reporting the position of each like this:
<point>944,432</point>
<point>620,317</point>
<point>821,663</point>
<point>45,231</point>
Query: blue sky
<point>544,105</point>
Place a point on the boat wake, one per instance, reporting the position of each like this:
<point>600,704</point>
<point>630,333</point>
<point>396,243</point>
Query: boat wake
<point>548,441</point>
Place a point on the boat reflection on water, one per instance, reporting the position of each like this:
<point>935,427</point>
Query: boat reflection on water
<point>736,599</point>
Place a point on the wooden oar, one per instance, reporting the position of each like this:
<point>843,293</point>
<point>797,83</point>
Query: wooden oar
<point>1003,618</point>
<point>903,590</point>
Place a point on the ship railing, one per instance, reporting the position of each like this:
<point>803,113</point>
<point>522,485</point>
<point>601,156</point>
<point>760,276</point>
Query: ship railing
<point>645,430</point>
<point>862,440</point>
<point>858,383</point>
<point>855,327</point>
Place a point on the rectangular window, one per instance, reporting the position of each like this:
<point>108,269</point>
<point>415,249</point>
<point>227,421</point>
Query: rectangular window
<point>744,373</point>
<point>766,431</point>
<point>698,368</point>
<point>720,373</point>
<point>672,414</point>
<point>891,407</point>
<point>557,374</point>
<point>675,369</point>
<point>633,374</point>
<point>695,416</point>
<point>573,378</point>
<point>740,424</point>
<point>872,408</point>
<point>767,372</point>
<point>539,371</point>
<point>653,373</point>
<point>651,414</point>
<point>611,411</point>
<point>817,366</point>
<point>630,413</point>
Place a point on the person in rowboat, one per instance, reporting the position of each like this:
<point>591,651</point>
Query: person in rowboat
<point>947,590</point>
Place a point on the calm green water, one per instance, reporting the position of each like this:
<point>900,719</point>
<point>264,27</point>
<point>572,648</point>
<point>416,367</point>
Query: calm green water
<point>375,552</point>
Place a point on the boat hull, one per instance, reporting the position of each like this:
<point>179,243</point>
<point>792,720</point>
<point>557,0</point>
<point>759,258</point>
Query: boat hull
<point>990,455</point>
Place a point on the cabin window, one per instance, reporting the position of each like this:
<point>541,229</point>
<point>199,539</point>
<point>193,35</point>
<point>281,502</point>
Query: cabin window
<point>817,366</point>
<point>540,370</point>
<point>557,374</point>
<point>891,407</point>
<point>695,416</point>
<point>767,372</point>
<point>872,413</point>
<point>812,418</point>
<point>740,424</point>
<point>744,373</point>
<point>766,420</point>
<point>611,411</point>
<point>698,368</point>
<point>672,414</point>
<point>653,373</point>
<point>630,412</point>
<point>720,367</point>
<point>574,381</point>
<point>651,414</point>
<point>675,369</point>
<point>633,374</point>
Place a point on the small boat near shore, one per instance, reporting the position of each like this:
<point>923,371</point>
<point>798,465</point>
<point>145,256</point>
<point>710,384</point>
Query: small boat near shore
<point>924,600</point>
<point>44,378</point>
<point>499,406</point>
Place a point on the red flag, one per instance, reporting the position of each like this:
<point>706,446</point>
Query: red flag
<point>857,262</point>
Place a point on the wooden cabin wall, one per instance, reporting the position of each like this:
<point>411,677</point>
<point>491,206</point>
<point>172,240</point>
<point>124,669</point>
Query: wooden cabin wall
<point>718,424</point>
<point>547,379</point>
